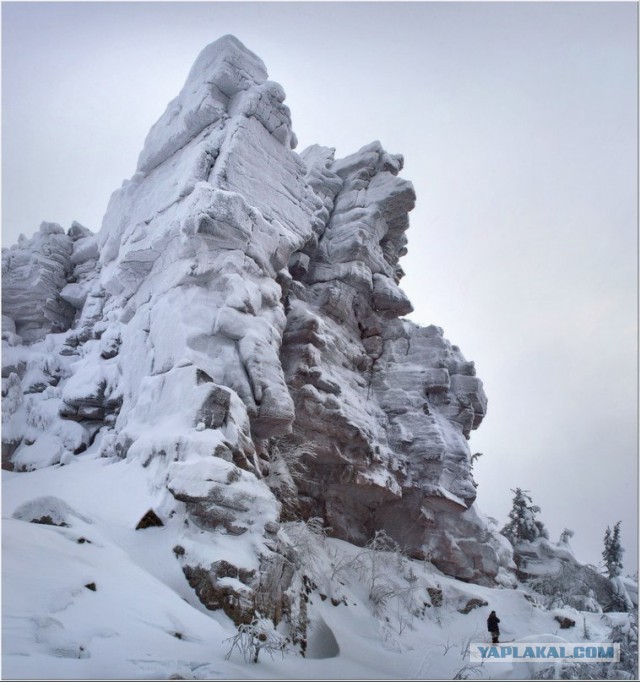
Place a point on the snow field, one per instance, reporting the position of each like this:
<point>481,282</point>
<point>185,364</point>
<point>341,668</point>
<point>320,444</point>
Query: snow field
<point>141,620</point>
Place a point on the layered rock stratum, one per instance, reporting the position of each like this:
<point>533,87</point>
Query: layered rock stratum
<point>237,327</point>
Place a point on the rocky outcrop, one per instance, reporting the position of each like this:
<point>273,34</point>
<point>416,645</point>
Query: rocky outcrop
<point>237,328</point>
<point>44,281</point>
<point>34,273</point>
<point>553,571</point>
<point>387,405</point>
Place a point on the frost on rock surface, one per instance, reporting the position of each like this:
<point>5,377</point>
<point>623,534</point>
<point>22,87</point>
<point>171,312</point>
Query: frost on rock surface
<point>34,272</point>
<point>235,328</point>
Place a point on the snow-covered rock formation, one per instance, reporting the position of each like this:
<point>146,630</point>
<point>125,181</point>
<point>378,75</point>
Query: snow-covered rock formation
<point>553,571</point>
<point>236,328</point>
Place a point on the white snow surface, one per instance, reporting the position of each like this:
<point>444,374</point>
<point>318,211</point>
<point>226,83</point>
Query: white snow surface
<point>143,621</point>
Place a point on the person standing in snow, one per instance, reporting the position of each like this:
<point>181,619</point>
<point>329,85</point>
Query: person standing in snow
<point>492,626</point>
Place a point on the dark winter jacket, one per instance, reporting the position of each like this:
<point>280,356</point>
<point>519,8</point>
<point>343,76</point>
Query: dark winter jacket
<point>492,622</point>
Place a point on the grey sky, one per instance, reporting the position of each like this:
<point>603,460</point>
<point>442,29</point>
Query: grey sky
<point>518,123</point>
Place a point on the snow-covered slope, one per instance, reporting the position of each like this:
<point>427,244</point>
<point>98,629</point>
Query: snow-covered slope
<point>98,599</point>
<point>224,360</point>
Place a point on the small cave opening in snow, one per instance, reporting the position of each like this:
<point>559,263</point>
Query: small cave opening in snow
<point>321,642</point>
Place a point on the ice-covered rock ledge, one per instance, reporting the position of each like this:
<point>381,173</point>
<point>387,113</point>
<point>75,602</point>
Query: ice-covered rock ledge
<point>236,327</point>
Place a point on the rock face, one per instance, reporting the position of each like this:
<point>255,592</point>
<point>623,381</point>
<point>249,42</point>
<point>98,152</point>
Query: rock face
<point>387,405</point>
<point>236,326</point>
<point>33,275</point>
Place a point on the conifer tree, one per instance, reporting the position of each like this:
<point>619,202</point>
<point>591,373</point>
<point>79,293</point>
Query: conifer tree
<point>613,551</point>
<point>523,524</point>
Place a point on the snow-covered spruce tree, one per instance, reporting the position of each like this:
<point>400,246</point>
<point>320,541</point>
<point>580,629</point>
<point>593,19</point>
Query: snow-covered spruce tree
<point>612,555</point>
<point>613,551</point>
<point>523,524</point>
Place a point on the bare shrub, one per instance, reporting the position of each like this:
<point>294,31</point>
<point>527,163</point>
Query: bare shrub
<point>388,577</point>
<point>307,540</point>
<point>468,671</point>
<point>252,638</point>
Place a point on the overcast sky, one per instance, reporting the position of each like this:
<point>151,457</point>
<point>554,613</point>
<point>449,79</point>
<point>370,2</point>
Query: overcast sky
<point>518,124</point>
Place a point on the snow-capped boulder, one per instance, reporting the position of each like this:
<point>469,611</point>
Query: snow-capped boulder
<point>74,294</point>
<point>48,510</point>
